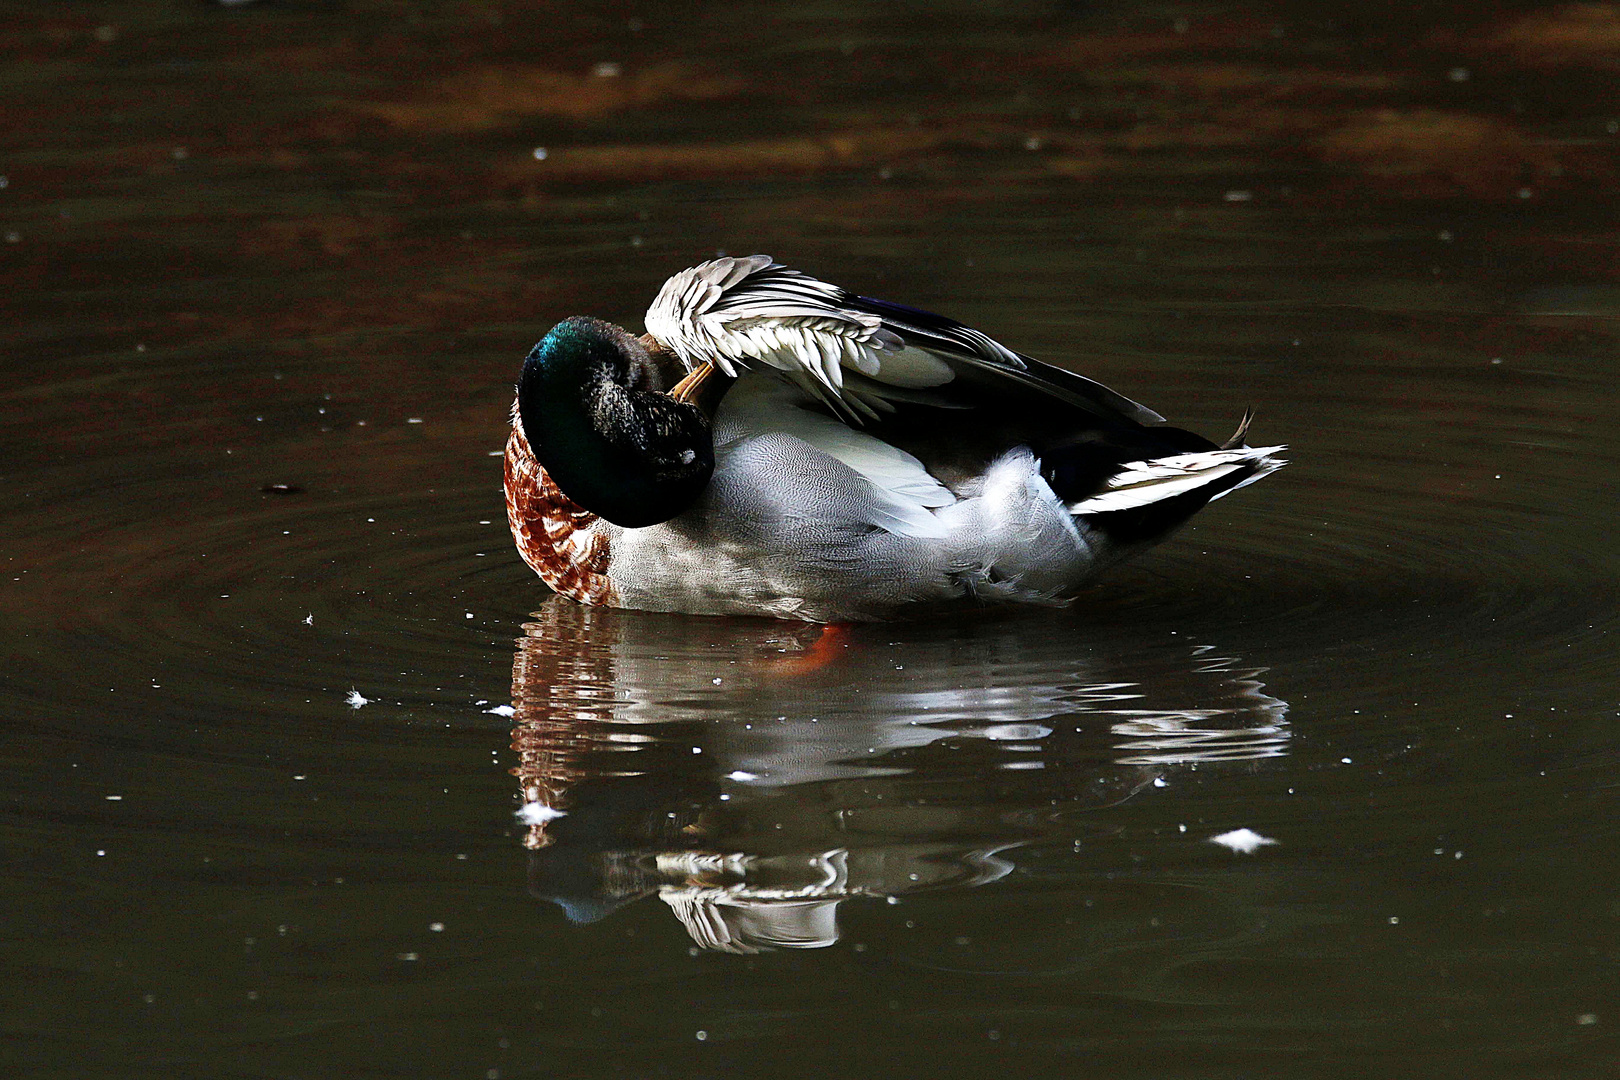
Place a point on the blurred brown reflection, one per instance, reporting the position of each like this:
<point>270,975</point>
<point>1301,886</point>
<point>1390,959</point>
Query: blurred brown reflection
<point>754,776</point>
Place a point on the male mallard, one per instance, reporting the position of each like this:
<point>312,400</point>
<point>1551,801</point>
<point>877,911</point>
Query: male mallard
<point>830,457</point>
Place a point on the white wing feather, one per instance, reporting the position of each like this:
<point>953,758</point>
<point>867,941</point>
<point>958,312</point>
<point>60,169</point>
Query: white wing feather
<point>1139,483</point>
<point>795,326</point>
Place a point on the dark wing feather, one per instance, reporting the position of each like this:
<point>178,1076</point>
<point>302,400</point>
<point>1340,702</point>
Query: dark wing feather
<point>938,334</point>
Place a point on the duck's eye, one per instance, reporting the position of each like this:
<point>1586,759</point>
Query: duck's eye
<point>688,456</point>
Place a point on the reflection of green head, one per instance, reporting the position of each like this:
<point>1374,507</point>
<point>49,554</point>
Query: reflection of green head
<point>613,445</point>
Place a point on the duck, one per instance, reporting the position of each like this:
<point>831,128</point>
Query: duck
<point>775,445</point>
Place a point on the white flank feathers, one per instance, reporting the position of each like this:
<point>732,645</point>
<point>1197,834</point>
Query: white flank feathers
<point>1139,483</point>
<point>903,491</point>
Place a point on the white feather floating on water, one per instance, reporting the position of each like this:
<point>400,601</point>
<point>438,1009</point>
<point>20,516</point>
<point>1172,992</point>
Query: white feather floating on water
<point>1243,841</point>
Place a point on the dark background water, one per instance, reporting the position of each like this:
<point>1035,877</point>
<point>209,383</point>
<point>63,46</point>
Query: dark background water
<point>306,244</point>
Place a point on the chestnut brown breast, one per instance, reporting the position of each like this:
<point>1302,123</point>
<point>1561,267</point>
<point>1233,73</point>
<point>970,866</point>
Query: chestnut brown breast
<point>553,532</point>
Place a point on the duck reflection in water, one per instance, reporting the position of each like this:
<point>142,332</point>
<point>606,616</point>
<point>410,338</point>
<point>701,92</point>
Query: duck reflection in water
<point>753,776</point>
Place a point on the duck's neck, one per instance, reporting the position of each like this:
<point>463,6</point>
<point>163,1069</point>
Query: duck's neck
<point>612,444</point>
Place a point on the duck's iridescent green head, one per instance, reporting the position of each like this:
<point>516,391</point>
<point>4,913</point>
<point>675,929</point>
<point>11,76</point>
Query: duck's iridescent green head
<point>588,404</point>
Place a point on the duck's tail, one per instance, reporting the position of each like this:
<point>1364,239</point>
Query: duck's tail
<point>1212,473</point>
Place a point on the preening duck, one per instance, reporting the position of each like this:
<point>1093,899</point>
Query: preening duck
<point>775,445</point>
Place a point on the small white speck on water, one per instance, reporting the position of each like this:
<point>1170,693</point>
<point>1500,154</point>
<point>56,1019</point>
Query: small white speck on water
<point>1243,841</point>
<point>607,69</point>
<point>1394,920</point>
<point>101,851</point>
<point>1159,781</point>
<point>539,153</point>
<point>1239,196</point>
<point>1458,74</point>
<point>697,749</point>
<point>1345,761</point>
<point>406,956</point>
<point>413,419</point>
<point>356,699</point>
<point>436,927</point>
<point>300,776</point>
<point>309,620</point>
<point>702,1035</point>
<point>469,614</point>
<point>716,681</point>
<point>1586,1019</point>
<point>115,798</point>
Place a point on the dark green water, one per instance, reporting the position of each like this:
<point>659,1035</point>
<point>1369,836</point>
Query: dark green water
<point>308,244</point>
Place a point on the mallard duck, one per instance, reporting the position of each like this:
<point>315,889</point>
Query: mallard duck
<point>775,445</point>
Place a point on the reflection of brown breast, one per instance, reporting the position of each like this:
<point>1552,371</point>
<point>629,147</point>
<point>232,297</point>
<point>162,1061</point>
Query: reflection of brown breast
<point>553,532</point>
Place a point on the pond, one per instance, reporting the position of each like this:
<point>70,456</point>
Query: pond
<point>1323,786</point>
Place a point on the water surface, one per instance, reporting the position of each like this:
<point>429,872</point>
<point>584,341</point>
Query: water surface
<point>275,682</point>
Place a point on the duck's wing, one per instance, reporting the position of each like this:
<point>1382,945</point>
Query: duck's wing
<point>735,312</point>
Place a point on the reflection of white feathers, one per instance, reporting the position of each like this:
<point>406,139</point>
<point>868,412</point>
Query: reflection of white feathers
<point>537,813</point>
<point>790,901</point>
<point>735,924</point>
